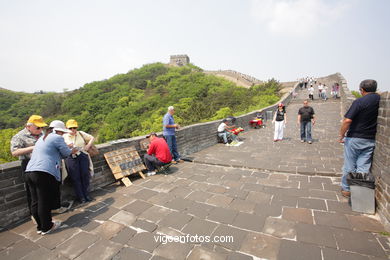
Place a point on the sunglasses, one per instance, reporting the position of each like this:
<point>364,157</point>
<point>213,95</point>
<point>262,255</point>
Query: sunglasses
<point>72,128</point>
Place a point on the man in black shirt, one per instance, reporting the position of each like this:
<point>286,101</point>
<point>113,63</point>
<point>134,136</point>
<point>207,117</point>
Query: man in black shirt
<point>305,119</point>
<point>360,121</point>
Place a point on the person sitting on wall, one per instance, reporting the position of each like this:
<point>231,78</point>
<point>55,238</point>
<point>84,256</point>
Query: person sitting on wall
<point>224,134</point>
<point>157,155</point>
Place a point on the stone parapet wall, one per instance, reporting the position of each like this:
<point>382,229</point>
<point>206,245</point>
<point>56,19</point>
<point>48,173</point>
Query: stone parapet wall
<point>381,161</point>
<point>190,139</point>
<point>345,94</point>
<point>240,76</point>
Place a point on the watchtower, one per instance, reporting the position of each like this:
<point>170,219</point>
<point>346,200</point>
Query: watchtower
<point>179,60</point>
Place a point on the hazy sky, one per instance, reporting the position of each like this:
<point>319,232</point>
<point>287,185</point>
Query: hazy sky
<point>53,45</point>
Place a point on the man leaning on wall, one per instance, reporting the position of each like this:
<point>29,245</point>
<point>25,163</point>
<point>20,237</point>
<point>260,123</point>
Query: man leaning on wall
<point>358,132</point>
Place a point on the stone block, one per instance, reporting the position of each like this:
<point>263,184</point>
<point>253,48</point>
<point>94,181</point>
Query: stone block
<point>315,234</point>
<point>298,214</point>
<point>144,225</point>
<point>227,233</point>
<point>176,220</point>
<point>124,235</point>
<point>331,219</point>
<point>204,253</point>
<point>261,246</point>
<point>103,249</point>
<point>177,251</point>
<point>358,242</point>
<point>131,253</point>
<point>123,217</point>
<point>108,229</point>
<point>249,221</point>
<point>199,227</point>
<point>222,215</point>
<point>137,207</point>
<point>318,204</point>
<point>145,241</point>
<point>77,245</point>
<point>279,228</point>
<point>289,250</point>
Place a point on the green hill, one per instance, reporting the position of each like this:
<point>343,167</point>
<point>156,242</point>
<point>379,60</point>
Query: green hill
<point>133,104</point>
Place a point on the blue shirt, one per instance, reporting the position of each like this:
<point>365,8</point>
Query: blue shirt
<point>363,113</point>
<point>47,154</point>
<point>168,120</point>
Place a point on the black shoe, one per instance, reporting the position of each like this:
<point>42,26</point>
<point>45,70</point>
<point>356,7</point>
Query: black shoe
<point>88,198</point>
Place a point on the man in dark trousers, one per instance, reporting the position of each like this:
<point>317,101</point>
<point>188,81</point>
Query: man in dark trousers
<point>158,154</point>
<point>306,118</point>
<point>358,132</point>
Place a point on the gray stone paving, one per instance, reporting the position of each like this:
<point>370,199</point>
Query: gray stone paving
<point>270,213</point>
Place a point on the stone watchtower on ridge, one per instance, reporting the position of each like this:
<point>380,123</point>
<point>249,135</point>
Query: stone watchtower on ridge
<point>179,60</point>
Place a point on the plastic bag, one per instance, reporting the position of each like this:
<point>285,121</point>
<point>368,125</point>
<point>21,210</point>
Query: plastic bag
<point>361,179</point>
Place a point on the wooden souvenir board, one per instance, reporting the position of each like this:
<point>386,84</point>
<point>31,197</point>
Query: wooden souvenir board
<point>144,144</point>
<point>124,162</point>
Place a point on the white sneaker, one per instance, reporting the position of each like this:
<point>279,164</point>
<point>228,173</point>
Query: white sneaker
<point>56,225</point>
<point>150,173</point>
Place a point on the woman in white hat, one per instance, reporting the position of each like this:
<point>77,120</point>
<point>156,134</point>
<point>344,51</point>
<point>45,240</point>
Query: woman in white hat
<point>42,173</point>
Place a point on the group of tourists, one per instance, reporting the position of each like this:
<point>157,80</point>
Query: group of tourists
<point>41,153</point>
<point>306,118</point>
<point>357,131</point>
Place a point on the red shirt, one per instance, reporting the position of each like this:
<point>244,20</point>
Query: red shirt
<point>160,149</point>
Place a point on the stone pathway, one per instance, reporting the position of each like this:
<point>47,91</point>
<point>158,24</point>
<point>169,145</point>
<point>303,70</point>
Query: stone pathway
<point>323,157</point>
<point>269,210</point>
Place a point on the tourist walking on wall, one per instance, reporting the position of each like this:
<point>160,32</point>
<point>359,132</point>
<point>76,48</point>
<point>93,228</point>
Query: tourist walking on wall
<point>169,130</point>
<point>79,165</point>
<point>280,121</point>
<point>358,132</point>
<point>43,175</point>
<point>335,90</point>
<point>22,145</point>
<point>306,119</point>
<point>311,92</point>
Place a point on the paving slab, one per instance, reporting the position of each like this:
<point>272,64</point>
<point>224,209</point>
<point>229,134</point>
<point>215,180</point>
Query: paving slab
<point>77,245</point>
<point>103,249</point>
<point>261,246</point>
<point>281,228</point>
<point>298,214</point>
<point>144,241</point>
<point>358,242</point>
<point>315,234</point>
<point>199,227</point>
<point>204,253</point>
<point>292,250</point>
<point>131,253</point>
<point>18,249</point>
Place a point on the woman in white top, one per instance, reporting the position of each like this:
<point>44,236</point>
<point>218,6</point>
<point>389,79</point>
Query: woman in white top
<point>78,165</point>
<point>280,120</point>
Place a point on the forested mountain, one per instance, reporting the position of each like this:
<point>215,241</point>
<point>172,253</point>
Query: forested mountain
<point>134,103</point>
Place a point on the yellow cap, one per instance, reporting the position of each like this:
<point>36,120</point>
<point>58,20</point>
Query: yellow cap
<point>37,121</point>
<point>71,123</point>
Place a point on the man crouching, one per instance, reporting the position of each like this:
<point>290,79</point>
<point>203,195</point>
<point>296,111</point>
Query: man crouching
<point>157,155</point>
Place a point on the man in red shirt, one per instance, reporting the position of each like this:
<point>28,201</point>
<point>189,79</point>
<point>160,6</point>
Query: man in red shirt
<point>158,154</point>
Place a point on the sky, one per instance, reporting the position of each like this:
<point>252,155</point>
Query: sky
<point>53,45</point>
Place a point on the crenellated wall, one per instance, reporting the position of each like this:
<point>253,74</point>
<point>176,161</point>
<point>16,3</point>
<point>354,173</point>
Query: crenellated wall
<point>190,139</point>
<point>381,161</point>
